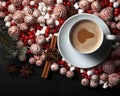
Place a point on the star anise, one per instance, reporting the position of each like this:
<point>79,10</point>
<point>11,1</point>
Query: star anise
<point>52,55</point>
<point>26,72</point>
<point>12,69</point>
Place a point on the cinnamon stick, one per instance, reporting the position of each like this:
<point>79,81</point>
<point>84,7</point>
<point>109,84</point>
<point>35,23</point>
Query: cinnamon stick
<point>48,63</point>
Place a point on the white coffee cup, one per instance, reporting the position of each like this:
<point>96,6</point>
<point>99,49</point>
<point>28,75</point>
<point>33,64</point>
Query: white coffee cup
<point>81,48</point>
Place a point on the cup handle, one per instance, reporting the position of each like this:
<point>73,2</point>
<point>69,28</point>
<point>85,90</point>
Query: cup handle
<point>110,37</point>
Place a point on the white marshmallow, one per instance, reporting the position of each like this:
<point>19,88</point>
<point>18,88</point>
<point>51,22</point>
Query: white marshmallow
<point>116,4</point>
<point>57,22</point>
<point>47,16</point>
<point>41,24</point>
<point>69,65</point>
<point>43,13</point>
<point>90,72</point>
<point>45,27</point>
<point>82,70</point>
<point>63,59</point>
<point>44,9</point>
<point>116,18</point>
<point>37,33</point>
<point>76,5</point>
<point>7,24</point>
<point>59,1</point>
<point>42,31</point>
<point>3,4</point>
<point>80,11</point>
<point>32,3</point>
<point>105,85</point>
<point>47,39</point>
<point>90,0</point>
<point>72,68</point>
<point>56,34</point>
<point>111,0</point>
<point>101,82</point>
<point>49,8</point>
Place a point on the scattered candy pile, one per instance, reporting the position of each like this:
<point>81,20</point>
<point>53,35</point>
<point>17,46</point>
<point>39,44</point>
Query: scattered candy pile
<point>33,22</point>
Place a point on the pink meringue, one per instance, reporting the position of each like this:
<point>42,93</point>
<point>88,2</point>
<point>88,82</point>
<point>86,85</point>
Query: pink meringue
<point>39,63</point>
<point>22,57</point>
<point>27,10</point>
<point>16,2</point>
<point>29,19</point>
<point>32,60</point>
<point>118,25</point>
<point>84,4</point>
<point>54,67</point>
<point>14,32</point>
<point>63,71</point>
<point>40,39</point>
<point>50,21</point>
<point>93,84</point>
<point>108,67</point>
<point>18,17</point>
<point>12,8</point>
<point>60,11</point>
<point>114,79</point>
<point>104,77</point>
<point>25,2</point>
<point>70,74</point>
<point>49,2</point>
<point>106,14</point>
<point>36,13</point>
<point>23,26</point>
<point>85,82</point>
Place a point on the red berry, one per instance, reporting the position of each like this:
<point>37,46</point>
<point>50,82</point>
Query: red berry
<point>36,5</point>
<point>28,52</point>
<point>46,34</point>
<point>13,24</point>
<point>68,3</point>
<point>111,4</point>
<point>33,40</point>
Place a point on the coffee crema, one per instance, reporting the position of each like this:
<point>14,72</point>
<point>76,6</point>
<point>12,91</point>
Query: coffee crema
<point>86,36</point>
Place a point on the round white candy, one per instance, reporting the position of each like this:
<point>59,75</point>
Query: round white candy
<point>59,1</point>
<point>90,72</point>
<point>76,6</point>
<point>111,0</point>
<point>80,11</point>
<point>7,24</point>
<point>116,4</point>
<point>101,82</point>
<point>72,68</point>
<point>32,3</point>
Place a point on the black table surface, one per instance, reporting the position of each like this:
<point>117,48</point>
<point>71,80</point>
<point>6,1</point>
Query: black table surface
<point>55,85</point>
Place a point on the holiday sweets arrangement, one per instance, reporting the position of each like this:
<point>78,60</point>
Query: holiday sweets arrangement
<point>31,32</point>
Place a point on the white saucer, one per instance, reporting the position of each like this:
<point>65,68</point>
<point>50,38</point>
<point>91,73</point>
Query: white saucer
<point>75,58</point>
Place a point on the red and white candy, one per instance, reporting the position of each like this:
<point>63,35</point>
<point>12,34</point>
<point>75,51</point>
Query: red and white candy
<point>60,11</point>
<point>96,6</point>
<point>14,32</point>
<point>12,8</point>
<point>106,14</point>
<point>16,2</point>
<point>84,4</point>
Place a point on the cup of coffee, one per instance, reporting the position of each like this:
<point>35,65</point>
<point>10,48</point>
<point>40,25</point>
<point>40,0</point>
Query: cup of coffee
<point>86,36</point>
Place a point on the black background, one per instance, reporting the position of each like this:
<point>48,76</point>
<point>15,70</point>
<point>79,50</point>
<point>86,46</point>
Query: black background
<point>55,85</point>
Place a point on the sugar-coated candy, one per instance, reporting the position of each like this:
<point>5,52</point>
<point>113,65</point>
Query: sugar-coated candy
<point>23,26</point>
<point>54,67</point>
<point>70,74</point>
<point>12,8</point>
<point>84,4</point>
<point>60,11</point>
<point>104,77</point>
<point>63,71</point>
<point>85,82</point>
<point>35,49</point>
<point>32,60</point>
<point>39,63</point>
<point>36,13</point>
<point>93,84</point>
<point>96,6</point>
<point>40,39</point>
<point>16,2</point>
<point>95,77</point>
<point>14,32</point>
<point>106,14</point>
<point>118,25</point>
<point>22,57</point>
<point>18,17</point>
<point>108,67</point>
<point>25,2</point>
<point>27,10</point>
<point>114,79</point>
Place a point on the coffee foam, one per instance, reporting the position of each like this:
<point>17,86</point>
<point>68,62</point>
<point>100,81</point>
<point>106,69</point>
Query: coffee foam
<point>92,42</point>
